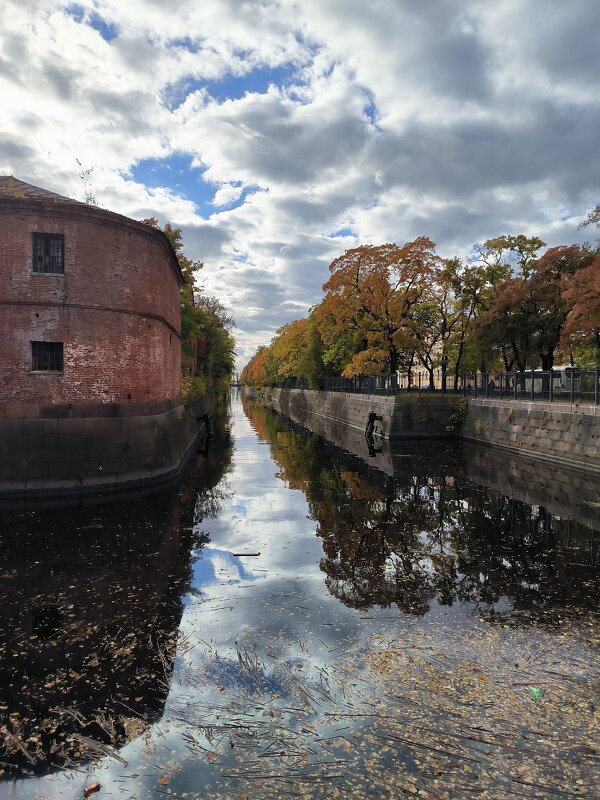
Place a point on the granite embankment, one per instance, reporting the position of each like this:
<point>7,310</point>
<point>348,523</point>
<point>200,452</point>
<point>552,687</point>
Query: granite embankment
<point>565,434</point>
<point>98,448</point>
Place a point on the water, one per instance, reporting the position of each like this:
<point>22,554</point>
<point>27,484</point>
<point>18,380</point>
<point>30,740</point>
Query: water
<point>293,621</point>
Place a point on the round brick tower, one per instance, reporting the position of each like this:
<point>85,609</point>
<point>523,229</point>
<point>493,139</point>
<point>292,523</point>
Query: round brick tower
<point>90,349</point>
<point>89,304</point>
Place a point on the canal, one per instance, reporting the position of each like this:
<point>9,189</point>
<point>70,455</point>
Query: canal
<point>293,621</point>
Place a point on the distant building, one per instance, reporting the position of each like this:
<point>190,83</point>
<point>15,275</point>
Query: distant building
<point>90,348</point>
<point>89,303</point>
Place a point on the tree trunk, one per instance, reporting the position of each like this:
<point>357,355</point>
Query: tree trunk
<point>393,356</point>
<point>431,372</point>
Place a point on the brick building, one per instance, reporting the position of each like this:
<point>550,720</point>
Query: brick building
<point>90,348</point>
<point>89,303</point>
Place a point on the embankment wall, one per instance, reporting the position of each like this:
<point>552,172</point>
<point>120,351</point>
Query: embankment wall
<point>402,416</point>
<point>557,433</point>
<point>83,454</point>
<point>554,432</point>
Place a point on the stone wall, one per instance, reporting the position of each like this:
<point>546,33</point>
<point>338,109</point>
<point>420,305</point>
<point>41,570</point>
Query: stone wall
<point>90,454</point>
<point>555,432</point>
<point>402,415</point>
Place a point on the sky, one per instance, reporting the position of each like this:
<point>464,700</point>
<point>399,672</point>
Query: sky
<point>278,134</point>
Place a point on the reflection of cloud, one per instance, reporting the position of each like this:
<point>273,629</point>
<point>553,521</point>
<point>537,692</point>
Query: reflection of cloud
<point>219,566</point>
<point>248,673</point>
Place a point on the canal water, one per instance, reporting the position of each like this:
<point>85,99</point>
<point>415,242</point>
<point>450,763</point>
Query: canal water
<point>293,620</point>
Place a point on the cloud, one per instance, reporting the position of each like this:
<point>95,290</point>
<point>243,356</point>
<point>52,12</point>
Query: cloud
<point>305,127</point>
<point>227,194</point>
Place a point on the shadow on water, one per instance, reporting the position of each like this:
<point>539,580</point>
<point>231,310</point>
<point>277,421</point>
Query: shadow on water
<point>437,525</point>
<point>90,604</point>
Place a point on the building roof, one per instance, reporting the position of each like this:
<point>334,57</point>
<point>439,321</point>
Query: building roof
<point>12,189</point>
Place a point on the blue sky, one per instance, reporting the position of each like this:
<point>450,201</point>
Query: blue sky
<point>279,134</point>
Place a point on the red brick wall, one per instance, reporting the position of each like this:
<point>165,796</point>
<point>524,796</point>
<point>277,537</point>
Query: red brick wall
<point>110,354</point>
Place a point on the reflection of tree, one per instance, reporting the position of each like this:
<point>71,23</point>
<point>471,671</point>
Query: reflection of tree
<point>432,534</point>
<point>374,550</point>
<point>211,487</point>
<point>90,604</point>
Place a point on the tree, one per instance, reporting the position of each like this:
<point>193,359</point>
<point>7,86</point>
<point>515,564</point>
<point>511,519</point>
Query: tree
<point>287,348</point>
<point>373,291</point>
<point>213,332</point>
<point>207,346</point>
<point>90,197</point>
<point>439,321</point>
<point>254,373</point>
<point>340,345</point>
<point>593,218</point>
<point>508,254</point>
<point>496,262</point>
<point>312,364</point>
<point>530,311</point>
<point>582,295</point>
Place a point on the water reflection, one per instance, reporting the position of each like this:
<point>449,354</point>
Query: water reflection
<point>275,688</point>
<point>90,604</point>
<point>424,529</point>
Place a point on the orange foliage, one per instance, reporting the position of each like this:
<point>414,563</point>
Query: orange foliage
<point>583,294</point>
<point>289,346</point>
<point>254,373</point>
<point>373,290</point>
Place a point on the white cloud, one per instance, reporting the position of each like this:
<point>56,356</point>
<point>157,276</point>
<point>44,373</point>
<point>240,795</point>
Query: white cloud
<point>382,121</point>
<point>227,194</point>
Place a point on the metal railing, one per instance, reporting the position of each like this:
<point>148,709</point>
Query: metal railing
<point>566,385</point>
<point>364,384</point>
<point>292,383</point>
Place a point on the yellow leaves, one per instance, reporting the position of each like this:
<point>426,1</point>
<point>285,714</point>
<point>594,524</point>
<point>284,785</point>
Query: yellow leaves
<point>375,289</point>
<point>289,346</point>
<point>367,362</point>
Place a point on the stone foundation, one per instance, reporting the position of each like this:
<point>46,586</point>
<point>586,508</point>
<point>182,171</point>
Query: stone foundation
<point>557,433</point>
<point>65,455</point>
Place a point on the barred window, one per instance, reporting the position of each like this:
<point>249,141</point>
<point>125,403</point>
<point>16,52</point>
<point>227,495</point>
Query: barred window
<point>47,356</point>
<point>49,253</point>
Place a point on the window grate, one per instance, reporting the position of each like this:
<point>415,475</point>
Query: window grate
<point>47,356</point>
<point>49,253</point>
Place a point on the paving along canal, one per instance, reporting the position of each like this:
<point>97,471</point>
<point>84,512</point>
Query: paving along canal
<point>288,622</point>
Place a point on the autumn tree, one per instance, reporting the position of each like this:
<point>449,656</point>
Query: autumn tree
<point>493,264</point>
<point>254,373</point>
<point>288,347</point>
<point>207,342</point>
<point>529,311</point>
<point>582,294</point>
<point>372,292</point>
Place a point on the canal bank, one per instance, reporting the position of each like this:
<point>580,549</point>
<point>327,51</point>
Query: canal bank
<point>100,448</point>
<point>559,433</point>
<point>290,624</point>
